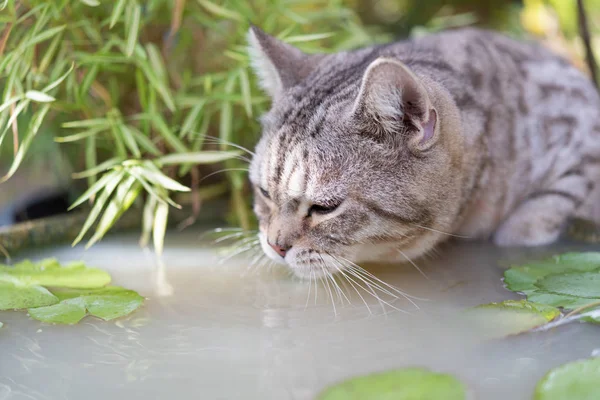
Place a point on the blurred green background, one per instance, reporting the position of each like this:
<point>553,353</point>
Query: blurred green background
<point>153,98</point>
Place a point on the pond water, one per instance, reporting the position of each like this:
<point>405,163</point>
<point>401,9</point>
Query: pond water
<point>224,331</point>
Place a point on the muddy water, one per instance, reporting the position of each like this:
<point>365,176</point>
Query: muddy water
<point>224,331</point>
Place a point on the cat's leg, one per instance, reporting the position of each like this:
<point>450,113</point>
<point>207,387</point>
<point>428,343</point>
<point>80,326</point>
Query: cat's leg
<point>540,219</point>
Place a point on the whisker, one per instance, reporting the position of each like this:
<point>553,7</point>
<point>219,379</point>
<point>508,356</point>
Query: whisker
<point>325,282</point>
<point>223,170</point>
<point>413,264</point>
<point>340,270</point>
<point>442,232</point>
<point>215,139</point>
<point>309,288</point>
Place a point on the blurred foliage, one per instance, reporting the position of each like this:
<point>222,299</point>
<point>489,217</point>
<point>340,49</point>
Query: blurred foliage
<point>151,100</point>
<point>142,94</point>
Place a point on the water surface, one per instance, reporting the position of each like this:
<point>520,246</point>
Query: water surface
<point>224,331</point>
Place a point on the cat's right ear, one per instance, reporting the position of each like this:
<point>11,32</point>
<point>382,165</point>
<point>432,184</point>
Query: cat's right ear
<point>278,65</point>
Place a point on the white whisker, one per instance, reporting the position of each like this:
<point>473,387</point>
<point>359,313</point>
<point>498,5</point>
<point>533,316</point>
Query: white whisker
<point>413,264</point>
<point>443,233</point>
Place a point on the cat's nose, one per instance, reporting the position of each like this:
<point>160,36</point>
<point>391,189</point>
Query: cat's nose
<point>279,249</point>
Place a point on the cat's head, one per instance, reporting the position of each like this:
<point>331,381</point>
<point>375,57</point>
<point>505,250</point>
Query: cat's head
<point>359,160</point>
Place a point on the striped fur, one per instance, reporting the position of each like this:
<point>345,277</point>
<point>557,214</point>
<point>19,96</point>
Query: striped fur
<point>465,132</point>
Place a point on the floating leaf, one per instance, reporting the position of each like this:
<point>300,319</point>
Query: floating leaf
<point>14,295</point>
<point>403,384</point>
<point>511,317</point>
<point>106,303</point>
<point>50,273</point>
<point>576,284</point>
<point>578,380</point>
<point>69,311</point>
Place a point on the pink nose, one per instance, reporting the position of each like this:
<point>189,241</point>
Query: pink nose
<point>279,250</point>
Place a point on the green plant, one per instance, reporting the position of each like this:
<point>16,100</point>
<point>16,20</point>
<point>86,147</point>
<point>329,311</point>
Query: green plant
<point>142,94</point>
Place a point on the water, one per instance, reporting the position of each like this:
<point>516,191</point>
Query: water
<point>211,331</point>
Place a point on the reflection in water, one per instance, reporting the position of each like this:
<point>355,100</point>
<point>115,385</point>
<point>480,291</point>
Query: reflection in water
<point>224,331</point>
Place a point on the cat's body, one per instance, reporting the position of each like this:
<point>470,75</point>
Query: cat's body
<point>465,132</point>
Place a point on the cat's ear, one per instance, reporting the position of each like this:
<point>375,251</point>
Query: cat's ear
<point>278,65</point>
<point>394,99</point>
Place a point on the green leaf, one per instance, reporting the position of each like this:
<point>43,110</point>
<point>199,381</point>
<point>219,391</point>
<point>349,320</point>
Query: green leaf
<point>14,295</point>
<point>308,38</point>
<point>576,284</point>
<point>98,186</point>
<point>161,126</point>
<point>148,220</point>
<point>221,11</point>
<point>511,317</point>
<point>402,384</point>
<point>59,80</point>
<point>191,120</point>
<point>160,227</point>
<point>34,126</point>
<point>117,12</point>
<point>154,175</point>
<point>133,29</point>
<point>201,157</point>
<point>102,167</point>
<point>68,312</point>
<point>522,278</point>
<point>108,303</point>
<point>246,94</point>
<point>578,380</point>
<point>144,141</point>
<point>50,273</point>
<point>91,3</point>
<point>39,97</point>
<point>45,35</point>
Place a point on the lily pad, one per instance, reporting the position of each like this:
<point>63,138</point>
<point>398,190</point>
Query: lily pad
<point>523,278</point>
<point>511,317</point>
<point>402,384</point>
<point>576,284</point>
<point>50,273</point>
<point>578,380</point>
<point>69,311</point>
<point>14,295</point>
<point>105,303</point>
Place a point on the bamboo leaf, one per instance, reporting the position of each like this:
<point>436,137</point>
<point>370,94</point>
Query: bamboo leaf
<point>154,175</point>
<point>246,94</point>
<point>91,3</point>
<point>50,53</point>
<point>109,188</point>
<point>130,141</point>
<point>34,126</point>
<point>14,115</point>
<point>161,126</point>
<point>59,80</point>
<point>201,157</point>
<point>79,136</point>
<point>91,158</point>
<point>124,197</point>
<point>39,97</point>
<point>117,11</point>
<point>102,167</point>
<point>161,197</point>
<point>45,35</point>
<point>221,11</point>
<point>88,123</point>
<point>308,38</point>
<point>133,29</point>
<point>148,220</point>
<point>9,102</point>
<point>97,187</point>
<point>161,216</point>
<point>191,120</point>
<point>144,141</point>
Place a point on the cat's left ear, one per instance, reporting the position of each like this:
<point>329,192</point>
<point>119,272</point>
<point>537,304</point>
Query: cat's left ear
<point>278,65</point>
<point>393,98</point>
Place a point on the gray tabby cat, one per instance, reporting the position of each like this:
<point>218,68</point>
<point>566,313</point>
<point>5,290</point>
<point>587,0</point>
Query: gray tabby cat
<point>379,154</point>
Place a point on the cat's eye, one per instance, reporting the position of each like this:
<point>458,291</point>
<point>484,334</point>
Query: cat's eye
<point>322,209</point>
<point>265,193</point>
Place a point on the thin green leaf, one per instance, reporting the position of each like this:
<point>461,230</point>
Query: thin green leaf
<point>39,97</point>
<point>91,3</point>
<point>155,192</point>
<point>14,115</point>
<point>59,80</point>
<point>79,136</point>
<point>148,220</point>
<point>116,13</point>
<point>34,126</point>
<point>88,123</point>
<point>99,204</point>
<point>98,186</point>
<point>45,35</point>
<point>154,175</point>
<point>144,141</point>
<point>159,86</point>
<point>221,11</point>
<point>246,93</point>
<point>102,167</point>
<point>156,61</point>
<point>130,141</point>
<point>172,139</point>
<point>191,120</point>
<point>160,227</point>
<point>201,157</point>
<point>124,196</point>
<point>9,102</point>
<point>309,38</point>
<point>50,53</point>
<point>91,158</point>
<point>134,28</point>
<point>88,80</point>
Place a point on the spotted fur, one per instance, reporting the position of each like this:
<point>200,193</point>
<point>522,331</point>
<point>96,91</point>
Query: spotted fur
<point>466,132</point>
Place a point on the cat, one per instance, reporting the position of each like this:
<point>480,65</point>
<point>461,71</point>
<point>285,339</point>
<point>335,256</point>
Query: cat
<point>380,154</point>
